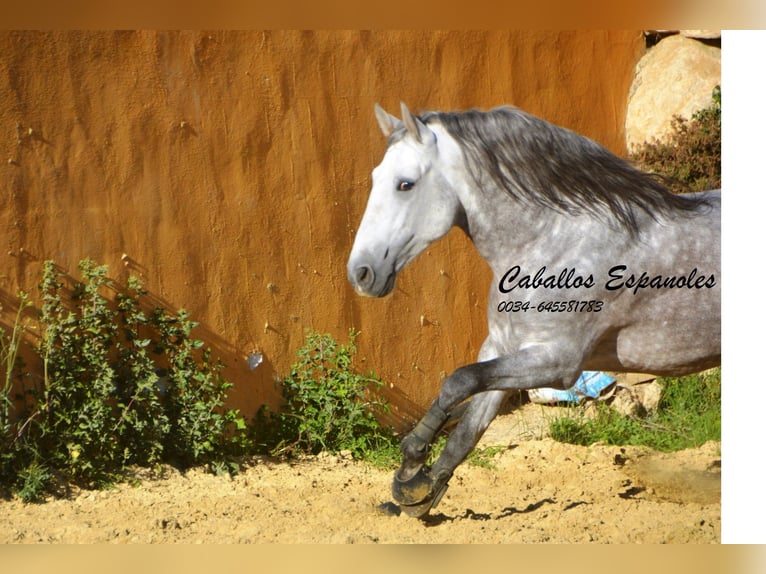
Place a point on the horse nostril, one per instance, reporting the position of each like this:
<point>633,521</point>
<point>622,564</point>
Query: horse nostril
<point>364,276</point>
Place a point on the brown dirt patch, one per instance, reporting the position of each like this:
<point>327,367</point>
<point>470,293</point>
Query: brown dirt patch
<point>538,491</point>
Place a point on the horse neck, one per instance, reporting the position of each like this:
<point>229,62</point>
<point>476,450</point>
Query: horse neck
<point>502,227</point>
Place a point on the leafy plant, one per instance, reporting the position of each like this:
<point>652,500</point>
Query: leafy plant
<point>691,158</point>
<point>143,422</point>
<point>120,386</point>
<point>328,405</point>
<point>195,396</point>
<point>75,401</point>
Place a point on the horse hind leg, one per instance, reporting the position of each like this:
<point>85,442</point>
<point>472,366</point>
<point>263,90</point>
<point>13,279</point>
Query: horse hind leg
<point>418,488</point>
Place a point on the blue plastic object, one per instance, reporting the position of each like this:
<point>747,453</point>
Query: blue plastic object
<point>590,384</point>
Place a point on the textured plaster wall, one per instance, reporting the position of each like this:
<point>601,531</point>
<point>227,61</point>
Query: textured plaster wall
<point>229,171</point>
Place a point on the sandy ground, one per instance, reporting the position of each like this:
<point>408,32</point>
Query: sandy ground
<point>537,490</point>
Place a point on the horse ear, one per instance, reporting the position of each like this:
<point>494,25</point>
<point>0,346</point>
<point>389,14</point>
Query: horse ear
<point>388,123</point>
<point>415,127</point>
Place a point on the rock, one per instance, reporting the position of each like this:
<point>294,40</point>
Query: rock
<point>674,78</point>
<point>627,404</point>
<point>638,400</point>
<point>649,394</point>
<point>701,34</point>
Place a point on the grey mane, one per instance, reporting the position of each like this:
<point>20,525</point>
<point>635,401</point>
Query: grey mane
<point>532,159</point>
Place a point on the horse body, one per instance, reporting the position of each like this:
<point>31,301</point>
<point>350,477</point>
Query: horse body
<point>595,265</point>
<point>660,330</point>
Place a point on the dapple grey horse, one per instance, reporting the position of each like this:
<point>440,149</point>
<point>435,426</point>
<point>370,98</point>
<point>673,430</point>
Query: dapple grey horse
<point>596,265</point>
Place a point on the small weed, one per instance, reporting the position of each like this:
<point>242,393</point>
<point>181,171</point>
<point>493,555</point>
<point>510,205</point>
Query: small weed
<point>483,457</point>
<point>328,406</point>
<point>9,362</point>
<point>34,481</point>
<point>437,447</point>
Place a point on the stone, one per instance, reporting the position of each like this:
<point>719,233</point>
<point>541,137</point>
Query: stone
<point>639,400</point>
<point>701,34</point>
<point>674,78</point>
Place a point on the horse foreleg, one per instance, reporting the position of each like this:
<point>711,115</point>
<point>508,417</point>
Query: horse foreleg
<point>423,490</point>
<point>416,444</point>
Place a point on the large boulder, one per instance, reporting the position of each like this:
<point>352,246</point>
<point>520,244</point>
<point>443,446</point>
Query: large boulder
<point>674,78</point>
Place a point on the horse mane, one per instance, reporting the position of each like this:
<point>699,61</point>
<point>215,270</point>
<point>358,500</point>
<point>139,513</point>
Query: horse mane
<point>532,159</point>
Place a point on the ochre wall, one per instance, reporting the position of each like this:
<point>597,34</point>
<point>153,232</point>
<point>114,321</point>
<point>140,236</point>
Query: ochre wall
<point>229,171</point>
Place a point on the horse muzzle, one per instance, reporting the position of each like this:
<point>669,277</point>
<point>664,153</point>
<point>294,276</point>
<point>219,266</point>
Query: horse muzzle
<point>366,281</point>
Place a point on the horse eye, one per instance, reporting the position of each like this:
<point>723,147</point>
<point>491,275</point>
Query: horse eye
<point>405,185</point>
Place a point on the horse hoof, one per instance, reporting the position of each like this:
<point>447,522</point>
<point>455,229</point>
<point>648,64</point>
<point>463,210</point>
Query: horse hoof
<point>420,493</point>
<point>422,509</point>
<point>414,490</point>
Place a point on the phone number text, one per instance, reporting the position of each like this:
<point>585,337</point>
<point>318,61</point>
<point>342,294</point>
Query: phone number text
<point>592,306</point>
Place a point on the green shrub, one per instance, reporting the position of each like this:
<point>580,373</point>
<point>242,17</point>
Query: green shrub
<point>120,387</point>
<point>75,401</point>
<point>328,405</point>
<point>691,158</point>
<point>144,421</point>
<point>200,430</point>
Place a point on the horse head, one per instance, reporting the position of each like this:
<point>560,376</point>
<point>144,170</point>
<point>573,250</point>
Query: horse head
<point>411,204</point>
